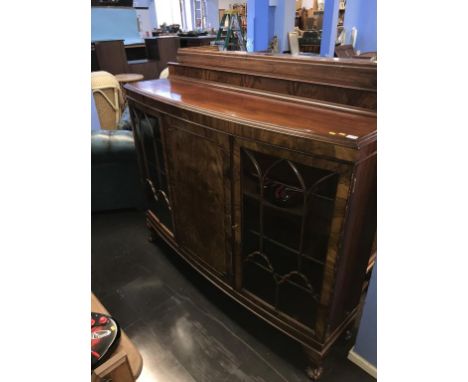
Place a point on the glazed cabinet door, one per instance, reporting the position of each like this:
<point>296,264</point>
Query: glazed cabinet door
<point>148,133</point>
<point>289,209</point>
<point>199,168</point>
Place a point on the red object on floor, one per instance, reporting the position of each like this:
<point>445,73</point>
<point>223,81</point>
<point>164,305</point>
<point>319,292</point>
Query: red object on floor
<point>95,354</point>
<point>105,334</point>
<point>103,320</point>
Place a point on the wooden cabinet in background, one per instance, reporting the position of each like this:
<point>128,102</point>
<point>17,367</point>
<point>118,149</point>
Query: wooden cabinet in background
<point>148,59</point>
<point>271,196</point>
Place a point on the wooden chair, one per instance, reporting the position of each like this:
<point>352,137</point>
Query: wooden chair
<point>347,51</point>
<point>112,59</point>
<point>111,56</point>
<point>108,98</point>
<point>162,49</point>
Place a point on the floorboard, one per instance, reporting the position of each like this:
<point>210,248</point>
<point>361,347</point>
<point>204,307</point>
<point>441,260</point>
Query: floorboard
<point>185,329</point>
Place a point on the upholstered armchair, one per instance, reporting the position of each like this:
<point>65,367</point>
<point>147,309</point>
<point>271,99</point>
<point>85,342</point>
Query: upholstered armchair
<point>115,180</point>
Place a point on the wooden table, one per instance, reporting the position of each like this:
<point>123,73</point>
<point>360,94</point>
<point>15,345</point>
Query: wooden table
<point>190,41</point>
<point>126,78</point>
<point>125,345</point>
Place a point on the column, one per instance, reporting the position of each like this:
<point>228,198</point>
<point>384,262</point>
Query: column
<point>212,14</point>
<point>152,14</point>
<point>330,23</point>
<point>284,22</point>
<point>257,25</point>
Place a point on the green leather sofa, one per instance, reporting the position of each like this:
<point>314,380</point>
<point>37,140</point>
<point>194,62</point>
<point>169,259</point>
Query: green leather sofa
<point>115,180</point>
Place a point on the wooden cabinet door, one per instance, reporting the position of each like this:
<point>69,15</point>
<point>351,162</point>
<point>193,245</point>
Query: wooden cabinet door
<point>150,152</point>
<point>290,208</point>
<point>199,174</point>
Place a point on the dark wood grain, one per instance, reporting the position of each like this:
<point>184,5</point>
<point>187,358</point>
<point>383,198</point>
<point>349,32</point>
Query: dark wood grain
<point>230,147</point>
<point>352,97</point>
<point>353,260</point>
<point>345,51</point>
<point>148,68</point>
<point>162,49</point>
<point>352,73</point>
<point>199,164</point>
<point>195,41</point>
<point>148,59</point>
<point>324,123</point>
<point>297,142</point>
<point>350,82</point>
<point>111,56</point>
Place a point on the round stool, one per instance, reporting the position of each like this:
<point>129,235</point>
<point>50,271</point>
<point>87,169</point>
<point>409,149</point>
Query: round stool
<point>126,78</point>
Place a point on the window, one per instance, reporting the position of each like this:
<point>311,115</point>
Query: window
<point>189,14</point>
<point>168,11</point>
<point>199,12</point>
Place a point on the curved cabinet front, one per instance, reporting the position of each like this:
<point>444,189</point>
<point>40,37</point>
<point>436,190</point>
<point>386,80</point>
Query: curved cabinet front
<point>270,225</point>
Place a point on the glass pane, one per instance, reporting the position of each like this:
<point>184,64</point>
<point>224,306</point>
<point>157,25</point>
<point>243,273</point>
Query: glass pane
<point>259,280</point>
<point>286,215</point>
<point>283,227</point>
<point>148,134</point>
<point>297,302</point>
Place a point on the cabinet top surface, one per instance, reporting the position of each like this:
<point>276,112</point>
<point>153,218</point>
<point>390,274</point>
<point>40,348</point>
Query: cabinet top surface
<point>332,124</point>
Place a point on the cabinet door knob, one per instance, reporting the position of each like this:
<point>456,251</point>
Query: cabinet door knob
<point>235,226</point>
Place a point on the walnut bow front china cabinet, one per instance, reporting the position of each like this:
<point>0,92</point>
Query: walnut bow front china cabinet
<point>260,172</point>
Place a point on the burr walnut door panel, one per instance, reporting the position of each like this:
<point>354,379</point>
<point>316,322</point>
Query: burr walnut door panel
<point>199,169</point>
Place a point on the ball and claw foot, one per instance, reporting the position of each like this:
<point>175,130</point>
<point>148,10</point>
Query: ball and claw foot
<point>314,373</point>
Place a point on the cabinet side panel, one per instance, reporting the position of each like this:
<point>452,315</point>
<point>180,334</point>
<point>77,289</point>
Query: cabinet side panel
<point>359,236</point>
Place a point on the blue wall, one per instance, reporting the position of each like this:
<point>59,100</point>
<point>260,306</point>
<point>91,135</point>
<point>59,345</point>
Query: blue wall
<point>95,124</point>
<point>330,23</point>
<point>257,24</point>
<point>284,22</point>
<point>362,14</point>
<point>366,342</point>
<point>268,18</point>
<point>109,23</point>
<point>271,22</point>
<point>152,13</point>
<point>212,14</point>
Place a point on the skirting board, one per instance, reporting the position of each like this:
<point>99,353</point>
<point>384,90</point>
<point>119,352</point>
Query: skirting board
<point>362,363</point>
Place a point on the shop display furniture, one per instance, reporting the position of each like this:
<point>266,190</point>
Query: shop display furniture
<point>260,172</point>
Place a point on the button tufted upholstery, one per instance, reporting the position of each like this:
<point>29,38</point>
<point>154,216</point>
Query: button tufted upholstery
<point>115,181</point>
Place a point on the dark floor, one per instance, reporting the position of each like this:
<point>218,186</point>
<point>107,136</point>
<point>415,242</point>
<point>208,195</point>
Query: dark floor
<point>185,329</point>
